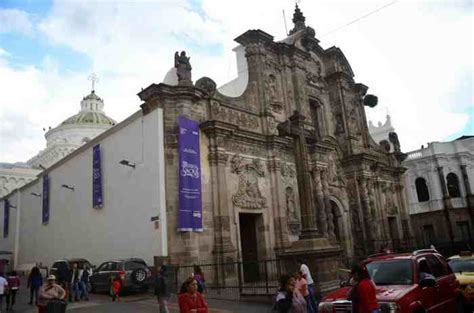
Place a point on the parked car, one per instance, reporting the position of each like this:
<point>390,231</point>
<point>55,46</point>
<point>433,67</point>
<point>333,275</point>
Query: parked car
<point>134,274</point>
<point>403,286</point>
<point>59,267</point>
<point>463,267</point>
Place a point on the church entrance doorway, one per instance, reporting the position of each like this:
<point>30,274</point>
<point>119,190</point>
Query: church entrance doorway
<point>249,246</point>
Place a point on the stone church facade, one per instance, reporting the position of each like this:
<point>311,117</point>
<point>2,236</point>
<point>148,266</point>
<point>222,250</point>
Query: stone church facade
<point>288,167</point>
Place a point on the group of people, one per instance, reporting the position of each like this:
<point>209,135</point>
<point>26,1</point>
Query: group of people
<point>190,297</point>
<point>296,292</point>
<point>75,281</point>
<point>8,288</point>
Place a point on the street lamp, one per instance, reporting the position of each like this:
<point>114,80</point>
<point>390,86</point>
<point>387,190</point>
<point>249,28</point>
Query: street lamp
<point>127,163</point>
<point>36,194</point>
<point>68,187</point>
<point>13,206</point>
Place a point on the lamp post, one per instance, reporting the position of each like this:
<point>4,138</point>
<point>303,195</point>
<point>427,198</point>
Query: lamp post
<point>36,194</point>
<point>68,187</point>
<point>127,163</point>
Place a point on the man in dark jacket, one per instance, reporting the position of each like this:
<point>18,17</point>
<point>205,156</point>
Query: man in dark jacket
<point>161,289</point>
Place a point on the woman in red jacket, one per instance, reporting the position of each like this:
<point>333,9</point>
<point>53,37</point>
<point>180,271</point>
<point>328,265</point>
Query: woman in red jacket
<point>362,293</point>
<point>191,301</point>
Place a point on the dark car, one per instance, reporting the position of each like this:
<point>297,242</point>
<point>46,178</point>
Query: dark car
<point>134,275</point>
<point>415,282</point>
<point>60,267</point>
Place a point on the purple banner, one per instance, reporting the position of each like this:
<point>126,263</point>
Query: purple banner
<point>190,206</point>
<point>6,218</point>
<point>97,199</point>
<point>45,199</point>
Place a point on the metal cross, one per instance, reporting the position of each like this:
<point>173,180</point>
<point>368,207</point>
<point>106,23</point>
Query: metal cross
<point>94,78</point>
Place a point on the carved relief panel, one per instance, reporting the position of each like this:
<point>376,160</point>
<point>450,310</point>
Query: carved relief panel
<point>248,195</point>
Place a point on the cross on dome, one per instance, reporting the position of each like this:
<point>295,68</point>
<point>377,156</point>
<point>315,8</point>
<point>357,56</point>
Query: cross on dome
<point>94,79</point>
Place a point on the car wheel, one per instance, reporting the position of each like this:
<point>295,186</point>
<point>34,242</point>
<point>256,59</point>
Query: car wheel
<point>139,276</point>
<point>460,306</point>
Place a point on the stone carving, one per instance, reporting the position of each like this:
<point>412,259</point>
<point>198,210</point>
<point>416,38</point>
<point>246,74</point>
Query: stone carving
<point>235,117</point>
<point>291,204</point>
<point>335,176</point>
<point>354,117</point>
<point>339,124</point>
<point>206,84</point>
<point>393,137</point>
<point>385,145</point>
<point>288,173</point>
<point>314,80</point>
<point>183,69</point>
<point>243,148</point>
<point>248,195</point>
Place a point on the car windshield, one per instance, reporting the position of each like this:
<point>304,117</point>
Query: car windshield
<point>462,265</point>
<point>391,272</point>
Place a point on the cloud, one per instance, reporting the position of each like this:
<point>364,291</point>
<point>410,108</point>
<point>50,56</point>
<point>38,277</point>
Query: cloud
<point>13,20</point>
<point>415,57</point>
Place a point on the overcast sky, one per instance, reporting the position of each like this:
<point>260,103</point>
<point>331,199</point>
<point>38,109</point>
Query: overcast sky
<point>416,56</point>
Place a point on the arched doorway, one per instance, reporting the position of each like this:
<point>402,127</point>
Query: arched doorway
<point>342,228</point>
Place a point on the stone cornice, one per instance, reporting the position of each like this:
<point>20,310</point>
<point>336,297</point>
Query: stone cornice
<point>154,93</point>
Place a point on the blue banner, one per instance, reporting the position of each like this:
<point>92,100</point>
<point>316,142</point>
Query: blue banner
<point>6,218</point>
<point>190,205</point>
<point>97,199</point>
<point>45,199</point>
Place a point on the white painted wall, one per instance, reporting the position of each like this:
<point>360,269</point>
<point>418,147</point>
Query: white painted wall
<point>122,228</point>
<point>424,162</point>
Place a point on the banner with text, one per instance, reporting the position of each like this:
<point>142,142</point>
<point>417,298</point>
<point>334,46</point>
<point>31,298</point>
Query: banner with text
<point>45,199</point>
<point>6,218</point>
<point>97,199</point>
<point>190,205</point>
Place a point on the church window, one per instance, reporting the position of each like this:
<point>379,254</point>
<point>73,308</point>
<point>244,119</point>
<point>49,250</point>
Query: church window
<point>422,190</point>
<point>453,185</point>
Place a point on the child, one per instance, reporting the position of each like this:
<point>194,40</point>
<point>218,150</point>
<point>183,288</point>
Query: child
<point>115,288</point>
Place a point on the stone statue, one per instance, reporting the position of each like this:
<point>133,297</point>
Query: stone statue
<point>290,204</point>
<point>183,69</point>
<point>393,137</point>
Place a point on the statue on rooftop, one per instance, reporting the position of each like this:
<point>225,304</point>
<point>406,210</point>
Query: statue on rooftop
<point>183,69</point>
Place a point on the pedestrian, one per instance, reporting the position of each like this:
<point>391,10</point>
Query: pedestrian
<point>309,279</point>
<point>302,289</point>
<point>13,286</point>
<point>288,300</point>
<point>84,283</point>
<point>362,294</point>
<point>199,276</point>
<point>115,287</point>
<point>161,289</point>
<point>75,281</point>
<point>48,292</point>
<point>35,281</point>
<point>190,300</point>
<point>3,290</point>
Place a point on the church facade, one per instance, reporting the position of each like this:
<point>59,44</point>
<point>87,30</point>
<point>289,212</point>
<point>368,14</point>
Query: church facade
<point>287,170</point>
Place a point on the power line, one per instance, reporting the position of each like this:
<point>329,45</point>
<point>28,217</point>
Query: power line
<point>360,18</point>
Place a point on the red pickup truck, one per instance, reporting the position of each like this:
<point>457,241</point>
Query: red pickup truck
<point>418,282</point>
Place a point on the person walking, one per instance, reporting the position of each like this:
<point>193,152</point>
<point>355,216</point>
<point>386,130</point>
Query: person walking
<point>304,269</point>
<point>302,289</point>
<point>190,300</point>
<point>362,293</point>
<point>13,286</point>
<point>48,292</point>
<point>199,276</point>
<point>35,281</point>
<point>115,287</point>
<point>3,289</point>
<point>84,283</point>
<point>288,299</point>
<point>161,289</point>
<point>75,281</point>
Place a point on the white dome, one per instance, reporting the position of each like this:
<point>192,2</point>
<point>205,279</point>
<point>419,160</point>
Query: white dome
<point>171,78</point>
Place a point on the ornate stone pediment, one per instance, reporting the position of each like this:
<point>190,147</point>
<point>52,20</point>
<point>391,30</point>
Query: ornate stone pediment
<point>248,195</point>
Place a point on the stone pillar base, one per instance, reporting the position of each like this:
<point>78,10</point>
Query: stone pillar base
<point>323,259</point>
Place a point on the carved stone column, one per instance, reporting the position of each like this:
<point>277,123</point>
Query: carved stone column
<point>446,201</point>
<point>318,190</point>
<point>327,205</point>
<point>279,214</point>
<point>217,161</point>
<point>365,202</point>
